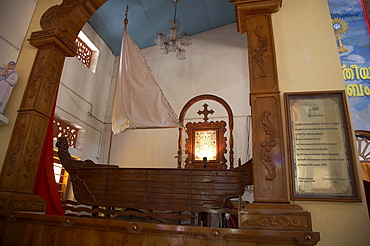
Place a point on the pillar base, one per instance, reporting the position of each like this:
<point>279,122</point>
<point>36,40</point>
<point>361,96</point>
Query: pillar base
<point>286,218</point>
<point>21,202</point>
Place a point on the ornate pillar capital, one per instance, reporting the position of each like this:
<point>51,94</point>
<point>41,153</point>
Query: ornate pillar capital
<point>244,8</point>
<point>54,37</point>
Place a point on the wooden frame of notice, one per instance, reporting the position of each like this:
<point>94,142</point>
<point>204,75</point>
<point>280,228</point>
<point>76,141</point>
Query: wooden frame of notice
<point>321,150</point>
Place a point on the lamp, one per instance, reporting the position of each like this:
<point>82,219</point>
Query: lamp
<point>205,145</point>
<point>172,42</point>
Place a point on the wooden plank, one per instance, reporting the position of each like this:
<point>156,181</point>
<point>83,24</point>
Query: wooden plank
<point>164,183</point>
<point>132,197</point>
<point>160,190</point>
<point>113,183</point>
<point>157,240</point>
<point>219,179</point>
<point>167,196</point>
<point>164,201</point>
<point>32,229</point>
<point>126,188</point>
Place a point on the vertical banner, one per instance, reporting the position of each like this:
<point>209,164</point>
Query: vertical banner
<point>353,40</point>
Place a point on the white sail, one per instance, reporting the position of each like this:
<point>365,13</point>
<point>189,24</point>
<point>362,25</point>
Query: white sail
<point>139,103</point>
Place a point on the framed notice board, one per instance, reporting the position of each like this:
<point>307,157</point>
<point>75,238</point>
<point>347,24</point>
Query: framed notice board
<point>321,151</point>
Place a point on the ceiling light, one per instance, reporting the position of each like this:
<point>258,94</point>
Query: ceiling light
<point>171,42</point>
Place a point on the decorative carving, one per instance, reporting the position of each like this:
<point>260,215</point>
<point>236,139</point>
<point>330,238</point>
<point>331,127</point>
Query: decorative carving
<point>205,112</point>
<point>81,191</point>
<point>51,81</point>
<point>31,152</point>
<point>267,146</point>
<point>69,163</point>
<point>50,36</point>
<point>43,33</point>
<point>20,132</point>
<point>271,220</point>
<point>259,52</point>
<point>33,82</point>
<point>57,16</point>
<point>27,206</point>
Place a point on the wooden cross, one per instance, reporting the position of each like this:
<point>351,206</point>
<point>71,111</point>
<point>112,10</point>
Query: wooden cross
<point>205,112</point>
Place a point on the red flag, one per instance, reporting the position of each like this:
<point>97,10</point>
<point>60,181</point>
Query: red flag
<point>45,185</point>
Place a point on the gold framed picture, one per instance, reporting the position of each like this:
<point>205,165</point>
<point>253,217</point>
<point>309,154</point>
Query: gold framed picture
<point>321,150</point>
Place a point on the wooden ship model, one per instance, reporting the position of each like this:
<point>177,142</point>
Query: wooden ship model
<point>167,195</point>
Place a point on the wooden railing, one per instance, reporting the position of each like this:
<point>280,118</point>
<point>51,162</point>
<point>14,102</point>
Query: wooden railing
<point>160,195</point>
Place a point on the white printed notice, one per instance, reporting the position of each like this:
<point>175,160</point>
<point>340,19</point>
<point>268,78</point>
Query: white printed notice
<point>321,166</point>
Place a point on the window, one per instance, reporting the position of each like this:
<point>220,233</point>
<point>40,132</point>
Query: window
<point>87,52</point>
<point>84,53</point>
<point>62,128</point>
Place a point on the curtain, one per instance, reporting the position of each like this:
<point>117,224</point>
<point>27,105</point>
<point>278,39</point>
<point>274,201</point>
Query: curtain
<point>45,185</point>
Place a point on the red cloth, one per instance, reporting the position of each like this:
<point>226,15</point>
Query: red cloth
<point>45,185</point>
<point>233,221</point>
<point>366,15</point>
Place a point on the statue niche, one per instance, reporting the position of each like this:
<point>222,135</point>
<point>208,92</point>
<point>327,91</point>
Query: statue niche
<point>206,144</point>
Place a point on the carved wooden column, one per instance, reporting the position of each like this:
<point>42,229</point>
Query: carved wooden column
<point>254,17</point>
<point>60,24</point>
<point>271,209</point>
<point>23,155</point>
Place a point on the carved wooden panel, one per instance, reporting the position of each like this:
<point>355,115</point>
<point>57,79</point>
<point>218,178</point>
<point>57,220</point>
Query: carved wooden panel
<point>15,201</point>
<point>269,163</point>
<point>262,53</point>
<point>43,81</point>
<point>24,152</point>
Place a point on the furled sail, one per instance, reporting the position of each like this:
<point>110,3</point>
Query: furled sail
<point>139,102</point>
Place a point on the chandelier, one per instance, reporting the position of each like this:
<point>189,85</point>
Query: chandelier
<point>172,42</point>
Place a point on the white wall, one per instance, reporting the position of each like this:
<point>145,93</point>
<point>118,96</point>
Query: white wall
<point>18,19</point>
<point>84,100</point>
<point>216,64</point>
<point>15,19</point>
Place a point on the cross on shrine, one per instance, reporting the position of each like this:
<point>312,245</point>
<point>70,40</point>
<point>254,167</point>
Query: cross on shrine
<point>205,112</point>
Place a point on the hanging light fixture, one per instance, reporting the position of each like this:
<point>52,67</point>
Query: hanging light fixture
<point>171,42</point>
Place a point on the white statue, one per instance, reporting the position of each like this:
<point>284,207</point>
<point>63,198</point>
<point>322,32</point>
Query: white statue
<point>8,79</point>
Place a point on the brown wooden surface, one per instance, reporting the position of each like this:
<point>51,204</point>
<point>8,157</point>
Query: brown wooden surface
<point>267,135</point>
<point>271,209</point>
<point>154,188</point>
<point>32,229</point>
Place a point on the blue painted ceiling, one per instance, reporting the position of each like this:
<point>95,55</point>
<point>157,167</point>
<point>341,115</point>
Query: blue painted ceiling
<point>148,17</point>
